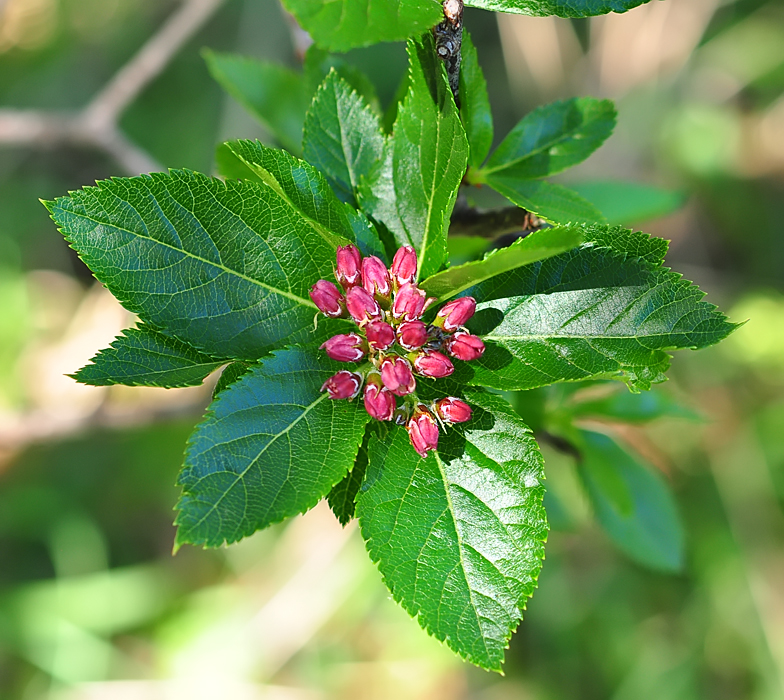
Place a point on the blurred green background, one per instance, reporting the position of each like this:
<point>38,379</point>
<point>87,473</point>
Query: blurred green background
<point>93,605</point>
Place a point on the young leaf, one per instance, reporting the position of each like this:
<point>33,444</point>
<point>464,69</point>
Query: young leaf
<point>459,536</point>
<point>144,357</point>
<point>223,266</point>
<point>550,139</point>
<point>629,202</point>
<point>342,497</point>
<point>561,8</point>
<point>413,189</point>
<point>536,246</point>
<point>342,136</point>
<point>633,505</point>
<point>272,445</point>
<point>549,200</point>
<point>474,104</point>
<point>275,95</point>
<point>603,316</point>
<point>340,25</point>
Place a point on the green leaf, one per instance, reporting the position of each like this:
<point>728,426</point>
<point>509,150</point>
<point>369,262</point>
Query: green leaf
<point>475,104</point>
<point>632,244</point>
<point>340,25</point>
<point>342,498</point>
<point>317,65</point>
<point>275,95</point>
<point>144,357</point>
<point>230,374</point>
<point>549,200</point>
<point>588,313</point>
<point>633,505</point>
<point>536,246</point>
<point>272,445</point>
<point>550,139</point>
<point>633,408</point>
<point>413,189</point>
<point>342,137</point>
<point>459,536</point>
<point>561,8</point>
<point>629,202</point>
<point>223,266</point>
<point>463,249</point>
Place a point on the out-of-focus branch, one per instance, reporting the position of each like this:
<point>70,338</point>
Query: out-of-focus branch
<point>96,126</point>
<point>490,224</point>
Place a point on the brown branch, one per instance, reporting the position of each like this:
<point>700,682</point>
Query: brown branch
<point>490,224</point>
<point>449,39</point>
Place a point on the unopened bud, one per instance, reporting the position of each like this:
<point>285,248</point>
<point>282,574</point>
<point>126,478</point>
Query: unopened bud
<point>380,335</point>
<point>349,262</point>
<point>465,346</point>
<point>412,335</point>
<point>433,364</point>
<point>362,306</point>
<point>347,347</point>
<point>343,385</point>
<point>455,313</point>
<point>452,410</point>
<point>397,375</point>
<point>328,299</point>
<point>409,303</point>
<point>379,402</point>
<point>423,431</point>
<point>404,266</point>
<point>375,276</point>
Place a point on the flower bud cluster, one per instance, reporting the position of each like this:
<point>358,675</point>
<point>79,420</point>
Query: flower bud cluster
<point>387,306</point>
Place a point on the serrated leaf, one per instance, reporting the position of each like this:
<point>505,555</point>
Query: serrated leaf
<point>413,189</point>
<point>585,314</point>
<point>144,357</point>
<point>459,536</point>
<point>474,104</point>
<point>550,139</point>
<point>340,25</point>
<point>230,374</point>
<point>223,266</point>
<point>342,497</point>
<point>633,505</point>
<point>632,244</point>
<point>272,445</point>
<point>317,65</point>
<point>275,95</point>
<point>342,136</point>
<point>632,408</point>
<point>536,246</point>
<point>549,200</point>
<point>629,202</point>
<point>560,8</point>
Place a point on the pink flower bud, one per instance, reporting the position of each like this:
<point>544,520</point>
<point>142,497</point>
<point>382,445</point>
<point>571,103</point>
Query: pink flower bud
<point>465,346</point>
<point>433,364</point>
<point>455,313</point>
<point>379,402</point>
<point>397,375</point>
<point>343,385</point>
<point>380,334</point>
<point>347,347</point>
<point>409,303</point>
<point>412,335</point>
<point>349,261</point>
<point>423,431</point>
<point>328,299</point>
<point>452,410</point>
<point>375,276</point>
<point>404,266</point>
<point>362,306</point>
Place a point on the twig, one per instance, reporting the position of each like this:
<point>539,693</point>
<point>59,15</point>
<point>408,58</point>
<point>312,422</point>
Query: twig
<point>449,38</point>
<point>490,224</point>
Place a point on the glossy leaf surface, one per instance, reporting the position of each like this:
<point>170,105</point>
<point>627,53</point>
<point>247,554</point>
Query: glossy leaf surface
<point>474,104</point>
<point>342,498</point>
<point>459,536</point>
<point>272,445</point>
<point>560,8</point>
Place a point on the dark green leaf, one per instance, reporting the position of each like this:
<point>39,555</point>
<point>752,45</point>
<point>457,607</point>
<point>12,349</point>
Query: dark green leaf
<point>550,139</point>
<point>633,408</point>
<point>230,374</point>
<point>342,498</point>
<point>459,536</point>
<point>549,200</point>
<point>413,189</point>
<point>272,445</point>
<point>629,202</point>
<point>633,505</point>
<point>340,25</point>
<point>561,8</point>
<point>275,95</point>
<point>342,136</point>
<point>223,266</point>
<point>534,247</point>
<point>144,357</point>
<point>475,104</point>
<point>317,65</point>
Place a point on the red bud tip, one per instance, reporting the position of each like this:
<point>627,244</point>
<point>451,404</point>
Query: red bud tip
<point>412,335</point>
<point>465,346</point>
<point>452,410</point>
<point>397,375</point>
<point>328,299</point>
<point>349,262</point>
<point>343,385</point>
<point>423,431</point>
<point>379,402</point>
<point>433,364</point>
<point>347,347</point>
<point>409,303</point>
<point>404,266</point>
<point>380,335</point>
<point>375,276</point>
<point>362,306</point>
<point>455,313</point>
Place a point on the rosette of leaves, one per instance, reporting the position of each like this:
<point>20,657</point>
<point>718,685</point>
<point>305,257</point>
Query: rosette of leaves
<point>218,272</point>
